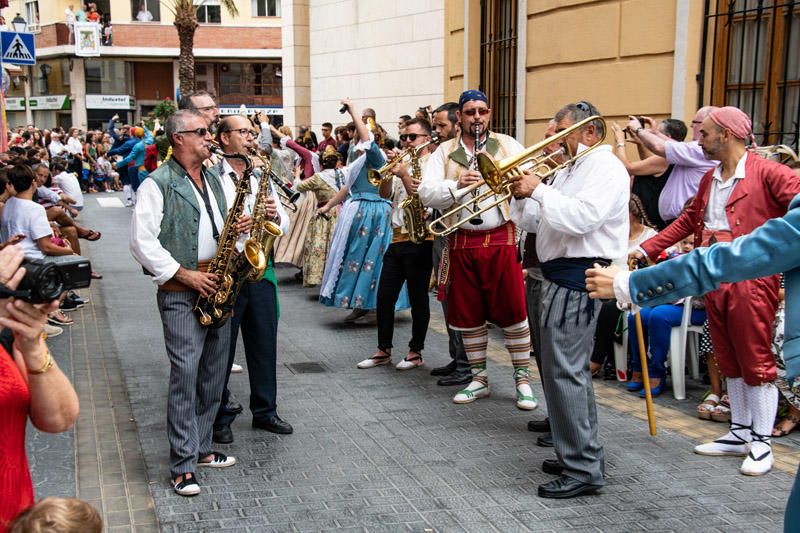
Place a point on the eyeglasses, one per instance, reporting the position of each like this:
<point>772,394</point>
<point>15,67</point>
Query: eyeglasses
<point>583,106</point>
<point>240,131</point>
<point>411,136</point>
<point>206,107</point>
<point>483,111</point>
<point>202,132</point>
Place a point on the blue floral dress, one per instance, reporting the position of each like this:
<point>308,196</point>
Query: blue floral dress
<point>362,235</point>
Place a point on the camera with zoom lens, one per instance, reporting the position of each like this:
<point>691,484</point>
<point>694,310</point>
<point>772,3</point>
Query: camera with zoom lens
<point>46,279</point>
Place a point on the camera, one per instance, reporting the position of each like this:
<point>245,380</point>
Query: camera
<point>45,279</point>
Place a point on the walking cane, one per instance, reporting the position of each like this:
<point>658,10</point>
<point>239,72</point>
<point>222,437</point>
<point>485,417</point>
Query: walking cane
<point>648,398</point>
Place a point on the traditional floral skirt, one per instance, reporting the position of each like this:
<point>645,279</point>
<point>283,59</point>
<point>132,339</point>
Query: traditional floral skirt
<point>358,270</point>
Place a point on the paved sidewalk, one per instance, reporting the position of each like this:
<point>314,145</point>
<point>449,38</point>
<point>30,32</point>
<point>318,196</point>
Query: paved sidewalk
<point>381,450</point>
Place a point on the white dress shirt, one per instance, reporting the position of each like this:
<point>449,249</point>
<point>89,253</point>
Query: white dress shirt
<point>719,194</point>
<point>583,212</point>
<point>440,193</point>
<point>74,146</point>
<point>146,226</point>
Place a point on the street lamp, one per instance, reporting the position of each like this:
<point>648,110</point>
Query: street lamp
<point>19,24</point>
<point>46,70</point>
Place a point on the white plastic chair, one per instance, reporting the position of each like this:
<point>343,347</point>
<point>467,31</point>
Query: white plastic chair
<point>680,344</point>
<point>621,351</point>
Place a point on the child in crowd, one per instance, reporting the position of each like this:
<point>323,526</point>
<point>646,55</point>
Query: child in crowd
<point>58,515</point>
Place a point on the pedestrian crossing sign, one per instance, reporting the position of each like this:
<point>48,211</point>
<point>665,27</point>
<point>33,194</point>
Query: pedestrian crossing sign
<point>18,48</point>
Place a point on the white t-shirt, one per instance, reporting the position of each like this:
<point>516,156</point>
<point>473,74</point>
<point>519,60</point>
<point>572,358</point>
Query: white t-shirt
<point>28,218</point>
<point>69,184</point>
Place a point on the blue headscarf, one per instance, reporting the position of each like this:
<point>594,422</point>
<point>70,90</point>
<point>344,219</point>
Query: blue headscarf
<point>472,94</point>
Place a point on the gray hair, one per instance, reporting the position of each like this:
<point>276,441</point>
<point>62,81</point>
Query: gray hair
<point>580,111</point>
<point>177,122</point>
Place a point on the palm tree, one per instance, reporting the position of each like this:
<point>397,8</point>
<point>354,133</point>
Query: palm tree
<point>185,13</point>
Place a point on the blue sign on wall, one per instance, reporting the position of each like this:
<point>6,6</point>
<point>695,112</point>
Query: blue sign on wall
<point>18,48</point>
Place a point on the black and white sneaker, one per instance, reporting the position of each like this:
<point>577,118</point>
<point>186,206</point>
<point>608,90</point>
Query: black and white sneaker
<point>72,295</point>
<point>70,305</point>
<point>220,460</point>
<point>187,487</point>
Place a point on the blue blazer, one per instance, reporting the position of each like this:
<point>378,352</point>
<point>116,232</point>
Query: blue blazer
<point>772,248</point>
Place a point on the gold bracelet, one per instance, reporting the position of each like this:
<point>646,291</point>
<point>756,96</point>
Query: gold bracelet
<point>48,364</point>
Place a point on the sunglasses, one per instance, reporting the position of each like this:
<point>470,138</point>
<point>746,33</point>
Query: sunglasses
<point>202,132</point>
<point>483,111</point>
<point>240,131</point>
<point>411,136</point>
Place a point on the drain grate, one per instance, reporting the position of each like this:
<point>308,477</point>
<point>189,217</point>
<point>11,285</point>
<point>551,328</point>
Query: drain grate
<point>307,368</point>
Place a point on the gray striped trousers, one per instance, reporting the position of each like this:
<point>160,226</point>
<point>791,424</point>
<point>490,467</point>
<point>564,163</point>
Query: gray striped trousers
<point>568,320</point>
<point>198,359</point>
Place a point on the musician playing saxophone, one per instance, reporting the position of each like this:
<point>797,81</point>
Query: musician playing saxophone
<point>480,263</point>
<point>174,230</point>
<point>405,261</point>
<point>256,307</point>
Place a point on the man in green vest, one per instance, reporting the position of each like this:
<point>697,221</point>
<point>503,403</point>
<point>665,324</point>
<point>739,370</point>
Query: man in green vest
<point>174,232</point>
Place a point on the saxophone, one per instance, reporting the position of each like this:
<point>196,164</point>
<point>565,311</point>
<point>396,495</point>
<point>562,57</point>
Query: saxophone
<point>413,210</point>
<point>229,267</point>
<point>264,231</point>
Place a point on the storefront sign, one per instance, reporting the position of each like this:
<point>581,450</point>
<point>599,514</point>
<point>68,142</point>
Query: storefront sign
<point>251,110</point>
<point>110,101</point>
<point>15,104</point>
<point>55,101</point>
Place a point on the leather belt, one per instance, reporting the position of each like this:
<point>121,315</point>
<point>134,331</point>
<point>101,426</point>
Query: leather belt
<point>173,285</point>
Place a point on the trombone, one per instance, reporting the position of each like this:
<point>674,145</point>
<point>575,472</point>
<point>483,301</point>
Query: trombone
<point>497,173</point>
<point>777,152</point>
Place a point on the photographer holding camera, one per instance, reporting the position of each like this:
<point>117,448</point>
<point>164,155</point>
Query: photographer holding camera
<point>31,386</point>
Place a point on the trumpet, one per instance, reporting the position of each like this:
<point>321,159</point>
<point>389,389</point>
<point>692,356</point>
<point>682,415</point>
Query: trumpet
<point>496,176</point>
<point>378,176</point>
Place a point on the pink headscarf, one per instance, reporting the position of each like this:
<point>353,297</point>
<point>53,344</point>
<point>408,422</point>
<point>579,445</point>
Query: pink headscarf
<point>734,119</point>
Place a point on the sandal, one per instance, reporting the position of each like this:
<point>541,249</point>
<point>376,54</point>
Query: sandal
<point>377,359</point>
<point>412,360</point>
<point>779,430</point>
<point>704,410</point>
<point>96,275</point>
<point>57,318</point>
<point>722,412</point>
<point>93,235</point>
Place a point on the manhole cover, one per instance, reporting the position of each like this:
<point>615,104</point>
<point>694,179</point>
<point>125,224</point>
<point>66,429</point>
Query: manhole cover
<point>307,368</point>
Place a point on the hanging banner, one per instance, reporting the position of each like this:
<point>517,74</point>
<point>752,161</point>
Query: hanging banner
<point>87,39</point>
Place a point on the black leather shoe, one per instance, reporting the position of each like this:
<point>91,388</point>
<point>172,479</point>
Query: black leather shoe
<point>445,370</point>
<point>545,441</point>
<point>566,487</point>
<point>222,435</point>
<point>539,426</point>
<point>274,424</point>
<point>552,466</point>
<point>456,378</point>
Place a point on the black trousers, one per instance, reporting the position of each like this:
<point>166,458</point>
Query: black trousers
<point>410,263</point>
<point>606,334</point>
<point>255,312</point>
<point>455,342</point>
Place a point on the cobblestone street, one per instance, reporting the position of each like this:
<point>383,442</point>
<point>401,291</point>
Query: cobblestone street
<point>373,450</point>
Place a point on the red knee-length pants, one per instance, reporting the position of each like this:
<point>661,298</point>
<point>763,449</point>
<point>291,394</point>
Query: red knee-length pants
<point>740,318</point>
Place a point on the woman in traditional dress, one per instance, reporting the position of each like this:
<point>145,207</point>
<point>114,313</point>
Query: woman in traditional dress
<point>289,248</point>
<point>324,185</point>
<point>363,232</point>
